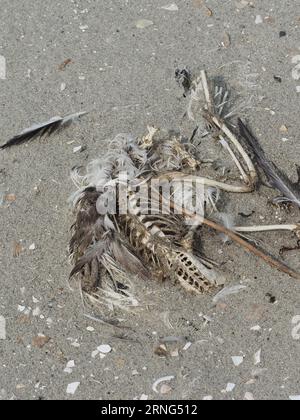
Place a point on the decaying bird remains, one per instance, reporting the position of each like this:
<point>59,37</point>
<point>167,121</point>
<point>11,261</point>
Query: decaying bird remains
<point>135,211</point>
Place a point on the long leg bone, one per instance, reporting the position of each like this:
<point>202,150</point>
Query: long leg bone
<point>280,266</point>
<point>269,228</point>
<point>220,125</point>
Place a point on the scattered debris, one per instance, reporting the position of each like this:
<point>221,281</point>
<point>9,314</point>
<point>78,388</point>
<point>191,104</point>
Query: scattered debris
<point>272,299</point>
<point>69,367</point>
<point>63,65</point>
<point>258,20</point>
<point>226,42</point>
<point>40,341</point>
<point>10,198</point>
<point>36,312</point>
<point>72,388</point>
<point>165,389</point>
<point>283,129</point>
<point>230,387</point>
<point>32,247</point>
<point>171,7</point>
<point>2,328</point>
<point>17,249</point>
<point>187,346</point>
<point>159,381</point>
<point>282,34</point>
<point>208,11</point>
<point>257,358</point>
<point>143,23</point>
<point>161,351</point>
<point>255,328</point>
<point>237,360</point>
<point>249,396</point>
<point>104,348</point>
<point>63,86</point>
<point>78,149</point>
<point>296,329</point>
<point>294,397</point>
<point>277,78</point>
<point>49,127</point>
<point>227,291</point>
<point>90,329</point>
<point>296,69</point>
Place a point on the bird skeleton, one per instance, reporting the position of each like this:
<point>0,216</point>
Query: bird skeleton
<point>134,208</point>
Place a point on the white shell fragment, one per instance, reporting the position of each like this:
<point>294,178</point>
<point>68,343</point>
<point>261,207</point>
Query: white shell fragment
<point>90,329</point>
<point>294,397</point>
<point>160,380</point>
<point>77,149</point>
<point>2,328</point>
<point>258,20</point>
<point>296,329</point>
<point>228,291</point>
<point>32,247</point>
<point>249,396</point>
<point>255,328</point>
<point>230,387</point>
<point>257,358</point>
<point>36,312</point>
<point>171,7</point>
<point>143,23</point>
<point>69,367</point>
<point>296,69</point>
<point>237,360</point>
<point>72,388</point>
<point>104,348</point>
<point>187,346</point>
